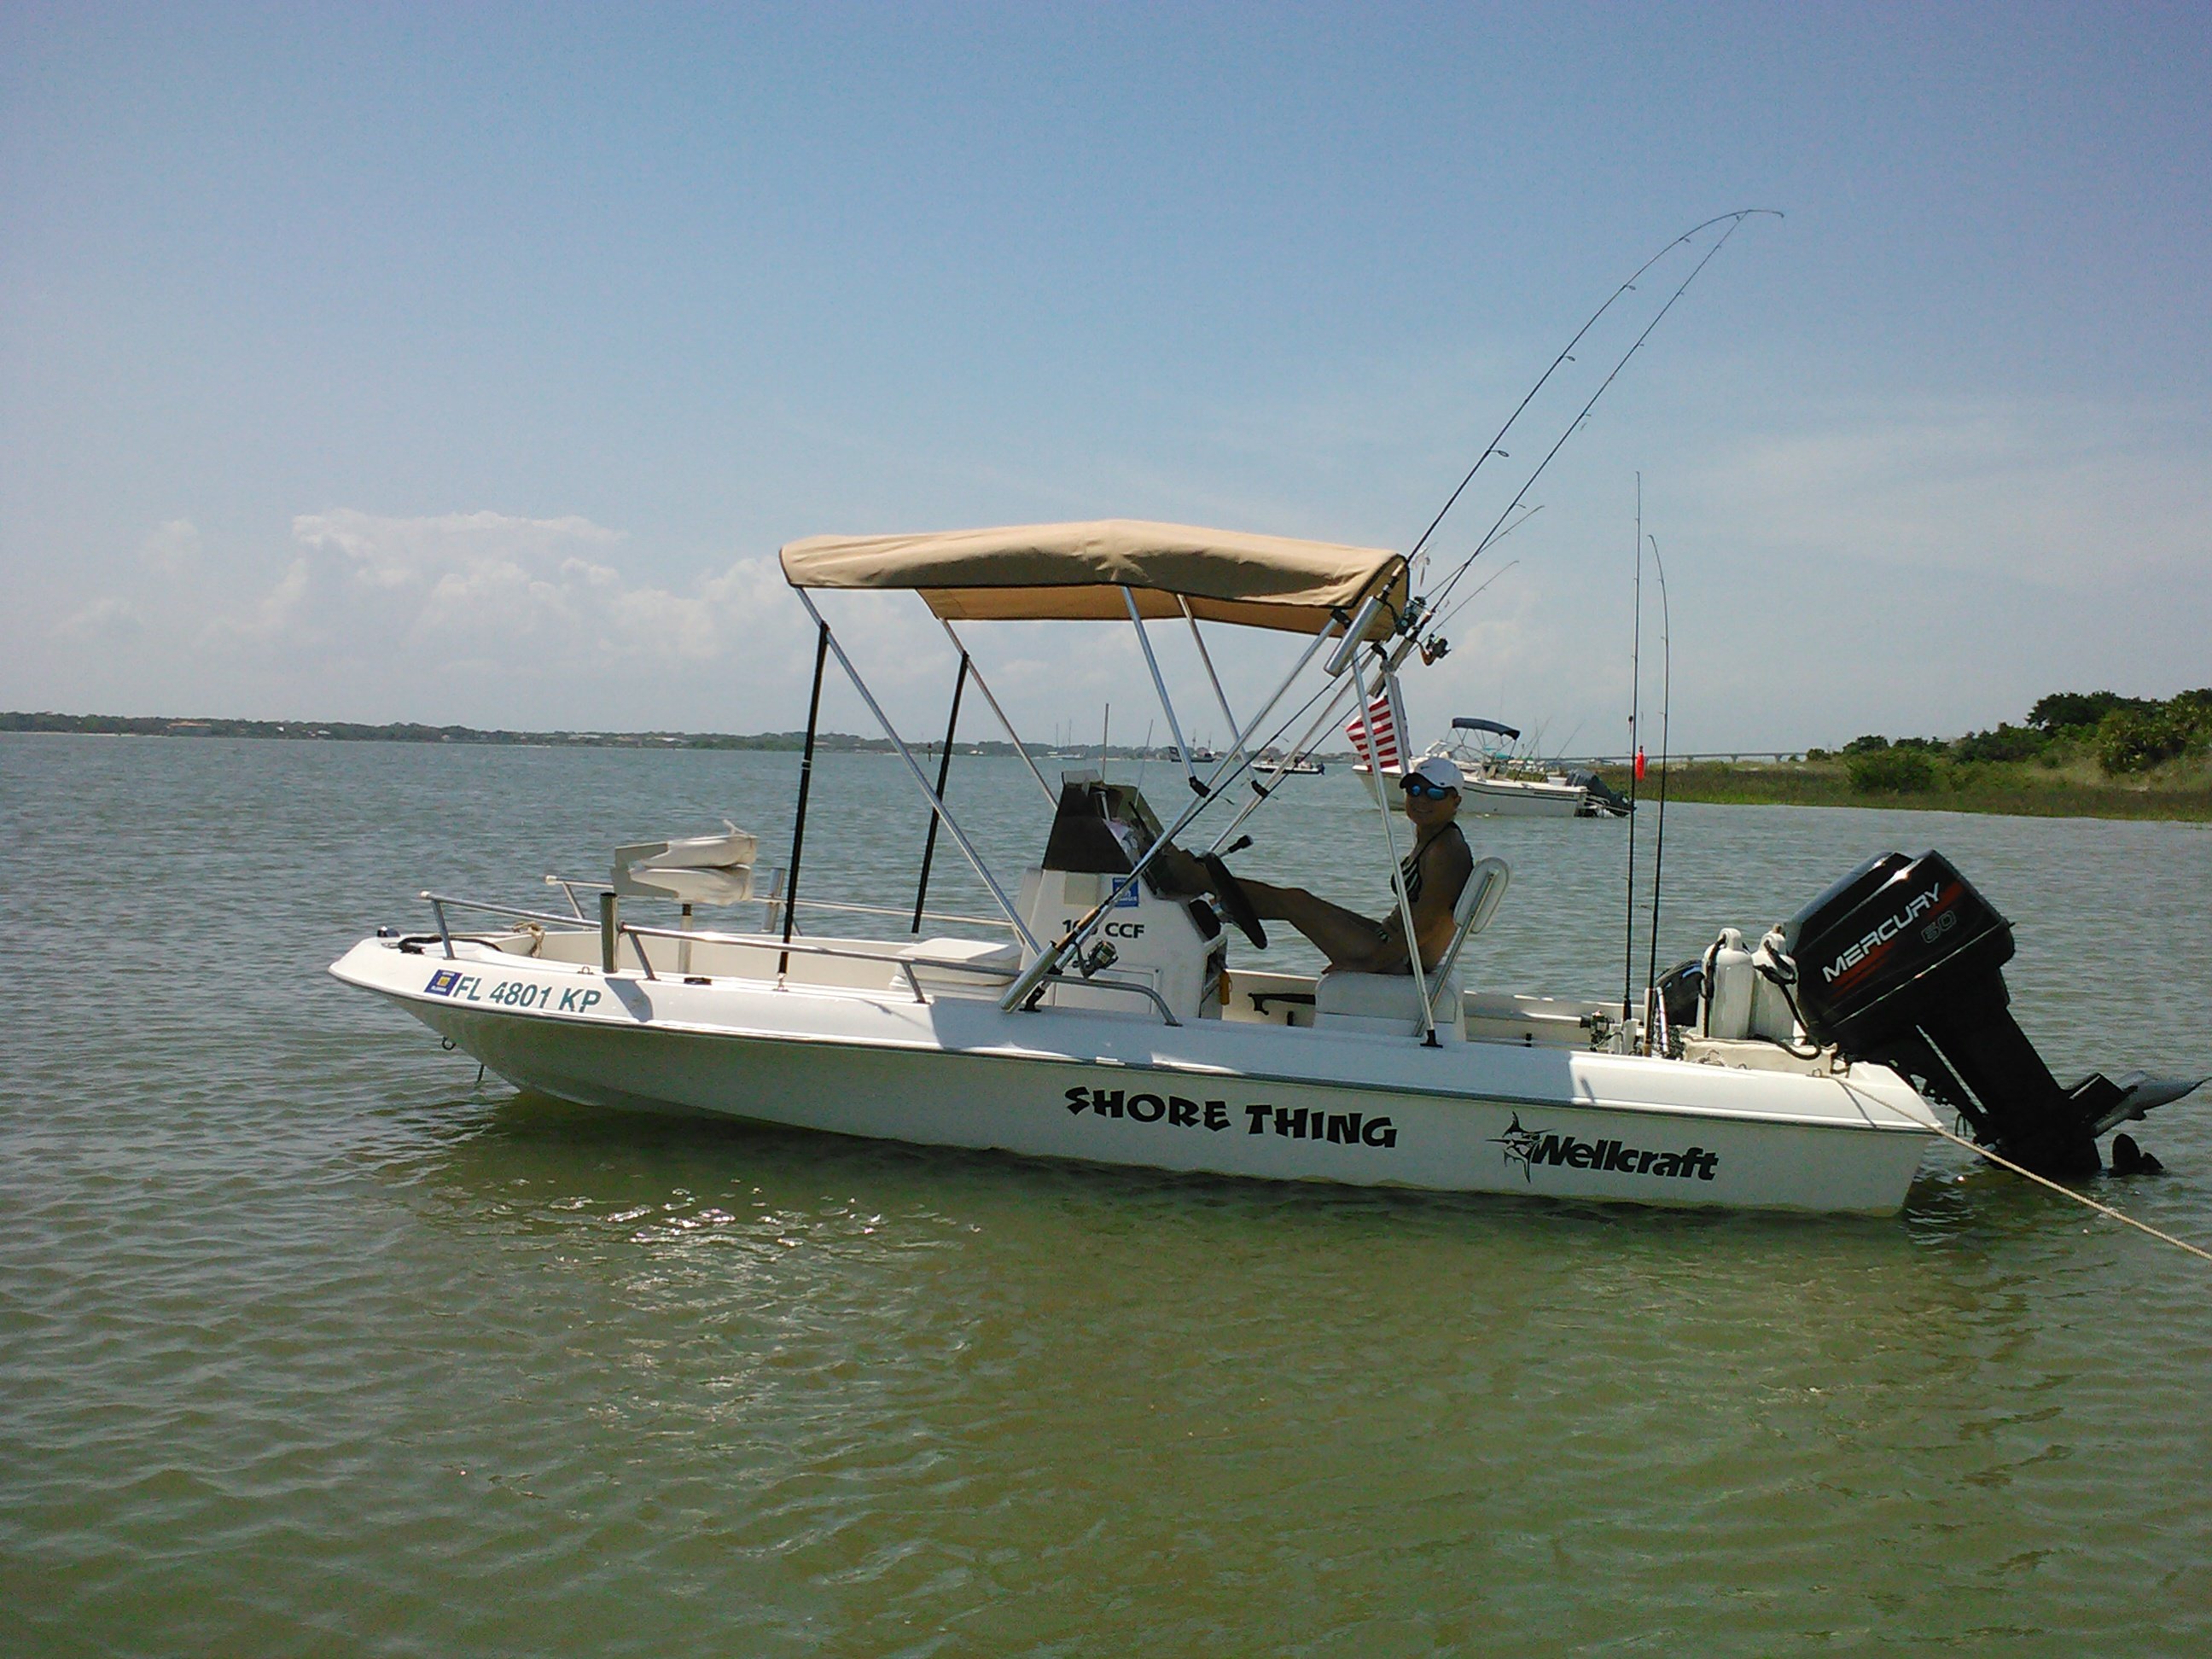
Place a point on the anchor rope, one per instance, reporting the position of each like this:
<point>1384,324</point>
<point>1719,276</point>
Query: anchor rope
<point>2064,1192</point>
<point>2003,1163</point>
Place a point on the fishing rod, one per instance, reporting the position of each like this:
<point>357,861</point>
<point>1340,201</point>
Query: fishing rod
<point>1734,220</point>
<point>1334,691</point>
<point>1566,355</point>
<point>1439,622</point>
<point>1635,756</point>
<point>1666,715</point>
<point>1431,651</point>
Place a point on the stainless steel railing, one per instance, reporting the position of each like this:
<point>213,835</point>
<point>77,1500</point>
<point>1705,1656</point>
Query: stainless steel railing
<point>775,902</point>
<point>613,930</point>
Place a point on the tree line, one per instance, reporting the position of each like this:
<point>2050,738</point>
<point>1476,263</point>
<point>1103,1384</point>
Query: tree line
<point>2123,736</point>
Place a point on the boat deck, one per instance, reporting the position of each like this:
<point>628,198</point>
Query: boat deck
<point>925,967</point>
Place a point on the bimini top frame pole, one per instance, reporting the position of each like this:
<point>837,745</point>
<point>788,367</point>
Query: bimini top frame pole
<point>1331,698</point>
<point>1206,657</point>
<point>921,781</point>
<point>1391,842</point>
<point>1167,704</point>
<point>1014,737</point>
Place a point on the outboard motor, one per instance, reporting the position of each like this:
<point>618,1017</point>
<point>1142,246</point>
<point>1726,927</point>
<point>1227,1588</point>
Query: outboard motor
<point>1604,800</point>
<point>1898,963</point>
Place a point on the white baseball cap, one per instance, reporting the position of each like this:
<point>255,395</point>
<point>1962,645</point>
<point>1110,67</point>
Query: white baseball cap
<point>1438,770</point>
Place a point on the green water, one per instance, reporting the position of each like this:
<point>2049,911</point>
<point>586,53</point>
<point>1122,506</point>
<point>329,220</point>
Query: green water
<point>309,1344</point>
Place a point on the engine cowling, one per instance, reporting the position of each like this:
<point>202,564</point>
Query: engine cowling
<point>1901,962</point>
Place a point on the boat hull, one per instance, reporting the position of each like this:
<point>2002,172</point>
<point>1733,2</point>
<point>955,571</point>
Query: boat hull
<point>1215,1097</point>
<point>1495,798</point>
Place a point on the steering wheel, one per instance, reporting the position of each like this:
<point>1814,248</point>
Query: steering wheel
<point>1235,900</point>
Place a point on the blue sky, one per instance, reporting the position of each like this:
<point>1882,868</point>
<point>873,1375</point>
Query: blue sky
<point>470,364</point>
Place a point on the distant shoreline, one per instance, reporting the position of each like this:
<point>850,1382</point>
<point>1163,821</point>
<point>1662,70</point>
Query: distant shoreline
<point>835,743</point>
<point>2020,790</point>
<point>2016,791</point>
<point>165,726</point>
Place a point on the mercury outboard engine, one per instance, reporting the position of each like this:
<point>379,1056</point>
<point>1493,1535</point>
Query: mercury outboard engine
<point>1898,963</point>
<point>1603,799</point>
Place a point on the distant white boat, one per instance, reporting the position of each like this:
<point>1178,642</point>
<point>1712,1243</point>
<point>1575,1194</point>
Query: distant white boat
<point>1499,786</point>
<point>1267,763</point>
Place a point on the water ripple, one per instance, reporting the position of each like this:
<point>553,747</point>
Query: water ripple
<point>308,1345</point>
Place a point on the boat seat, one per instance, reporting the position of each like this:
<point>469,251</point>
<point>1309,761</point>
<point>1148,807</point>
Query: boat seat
<point>1344,1001</point>
<point>985,955</point>
<point>975,953</point>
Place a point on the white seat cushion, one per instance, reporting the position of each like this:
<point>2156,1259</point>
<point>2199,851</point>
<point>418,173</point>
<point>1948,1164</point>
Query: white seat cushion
<point>977,952</point>
<point>1384,1002</point>
<point>1392,1002</point>
<point>935,969</point>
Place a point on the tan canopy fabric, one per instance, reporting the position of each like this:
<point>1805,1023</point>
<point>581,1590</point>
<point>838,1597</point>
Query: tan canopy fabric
<point>1074,572</point>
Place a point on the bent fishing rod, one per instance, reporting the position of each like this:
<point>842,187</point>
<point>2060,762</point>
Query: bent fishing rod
<point>1733,221</point>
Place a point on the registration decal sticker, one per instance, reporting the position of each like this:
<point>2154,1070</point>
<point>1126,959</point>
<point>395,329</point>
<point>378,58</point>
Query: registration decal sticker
<point>512,992</point>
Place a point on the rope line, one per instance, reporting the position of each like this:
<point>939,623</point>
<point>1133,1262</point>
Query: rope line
<point>2004,1163</point>
<point>2068,1191</point>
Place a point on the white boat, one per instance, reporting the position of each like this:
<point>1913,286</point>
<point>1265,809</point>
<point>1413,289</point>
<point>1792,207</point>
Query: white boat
<point>1272,763</point>
<point>1108,1021</point>
<point>1499,785</point>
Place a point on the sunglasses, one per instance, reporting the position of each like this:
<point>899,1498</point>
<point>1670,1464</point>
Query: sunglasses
<point>1426,790</point>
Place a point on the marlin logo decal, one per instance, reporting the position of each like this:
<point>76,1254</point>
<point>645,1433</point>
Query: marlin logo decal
<point>1518,1143</point>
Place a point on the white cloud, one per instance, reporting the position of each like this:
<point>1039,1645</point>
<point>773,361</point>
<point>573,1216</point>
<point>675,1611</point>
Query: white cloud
<point>169,556</point>
<point>104,618</point>
<point>451,573</point>
<point>487,588</point>
<point>171,547</point>
<point>2064,497</point>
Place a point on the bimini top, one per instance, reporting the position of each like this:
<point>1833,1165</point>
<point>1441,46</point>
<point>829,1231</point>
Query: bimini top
<point>1074,572</point>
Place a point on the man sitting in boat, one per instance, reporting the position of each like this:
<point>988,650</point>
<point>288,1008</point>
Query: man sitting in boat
<point>1435,871</point>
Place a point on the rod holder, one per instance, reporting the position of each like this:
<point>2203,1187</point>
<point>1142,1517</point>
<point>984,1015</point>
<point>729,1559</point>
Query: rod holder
<point>1362,619</point>
<point>610,931</point>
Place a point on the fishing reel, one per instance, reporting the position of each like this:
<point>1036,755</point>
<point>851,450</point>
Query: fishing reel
<point>1417,612</point>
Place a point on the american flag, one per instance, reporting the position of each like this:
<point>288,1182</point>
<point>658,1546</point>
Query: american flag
<point>1384,727</point>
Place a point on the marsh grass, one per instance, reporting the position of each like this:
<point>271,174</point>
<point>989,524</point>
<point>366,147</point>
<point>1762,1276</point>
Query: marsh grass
<point>2075,789</point>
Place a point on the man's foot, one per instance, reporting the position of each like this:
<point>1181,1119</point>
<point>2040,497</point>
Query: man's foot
<point>1180,875</point>
<point>1229,893</point>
